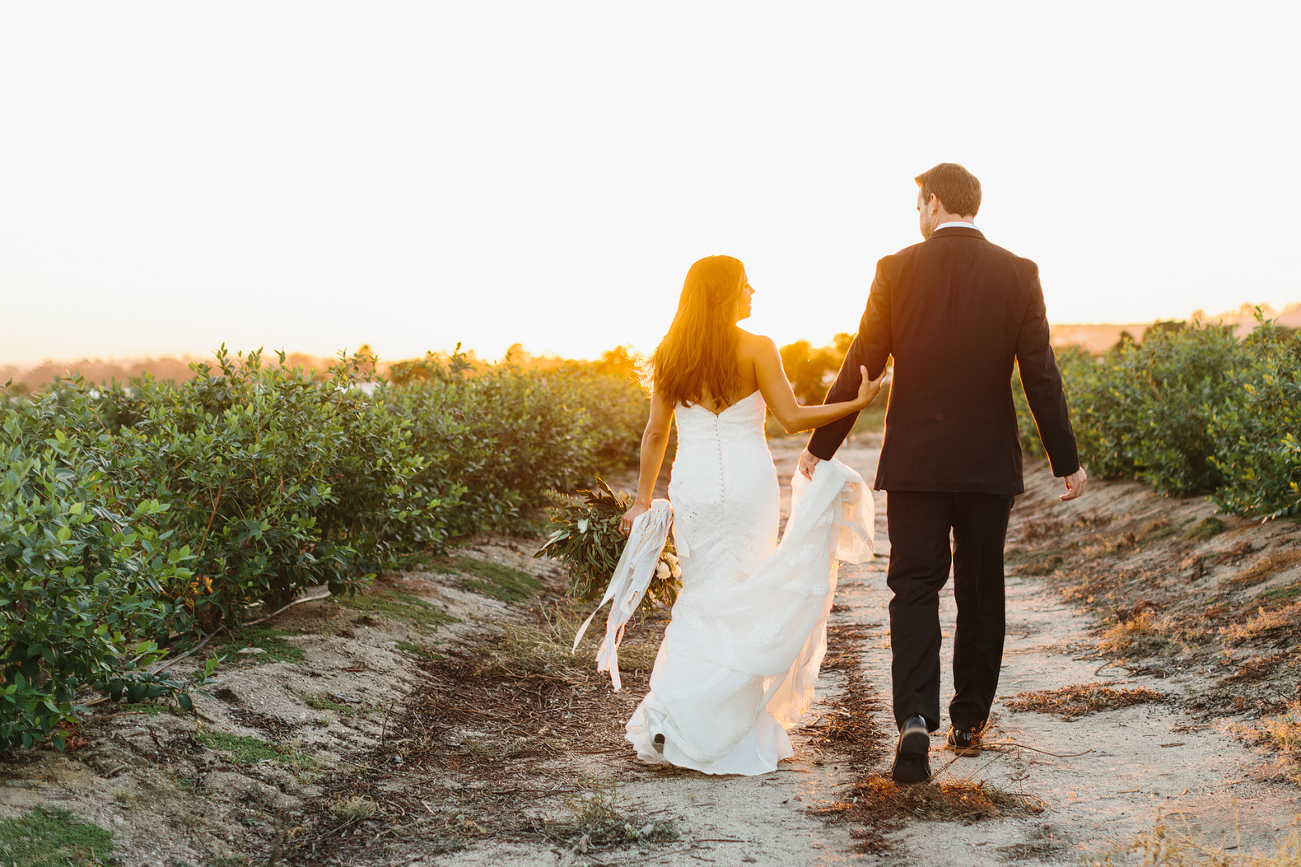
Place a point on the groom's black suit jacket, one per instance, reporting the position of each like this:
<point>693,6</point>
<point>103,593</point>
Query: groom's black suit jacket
<point>955,311</point>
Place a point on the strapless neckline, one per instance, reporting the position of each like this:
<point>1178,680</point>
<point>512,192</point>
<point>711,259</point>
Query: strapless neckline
<point>723,412</point>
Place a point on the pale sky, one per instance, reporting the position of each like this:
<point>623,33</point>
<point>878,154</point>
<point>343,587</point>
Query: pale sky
<point>314,176</point>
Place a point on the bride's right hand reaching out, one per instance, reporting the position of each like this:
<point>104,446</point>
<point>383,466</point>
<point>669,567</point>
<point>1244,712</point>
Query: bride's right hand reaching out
<point>868,389</point>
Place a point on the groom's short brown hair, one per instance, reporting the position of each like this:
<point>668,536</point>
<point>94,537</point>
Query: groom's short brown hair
<point>957,189</point>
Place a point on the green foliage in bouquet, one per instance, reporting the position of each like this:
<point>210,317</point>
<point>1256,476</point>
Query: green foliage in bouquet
<point>585,537</point>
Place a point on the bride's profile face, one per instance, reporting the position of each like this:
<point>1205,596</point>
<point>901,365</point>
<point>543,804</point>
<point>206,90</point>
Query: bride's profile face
<point>743,303</point>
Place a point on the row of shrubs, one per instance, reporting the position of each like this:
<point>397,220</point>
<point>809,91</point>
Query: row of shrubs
<point>1192,410</point>
<point>133,517</point>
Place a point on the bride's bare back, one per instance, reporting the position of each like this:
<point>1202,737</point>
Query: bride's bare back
<point>759,368</point>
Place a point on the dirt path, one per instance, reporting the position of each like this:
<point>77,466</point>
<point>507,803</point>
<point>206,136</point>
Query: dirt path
<point>1136,761</point>
<point>1100,779</point>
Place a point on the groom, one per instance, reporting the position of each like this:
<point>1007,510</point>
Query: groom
<point>956,312</point>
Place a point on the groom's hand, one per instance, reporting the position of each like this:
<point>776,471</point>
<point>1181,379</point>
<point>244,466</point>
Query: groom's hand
<point>1075,484</point>
<point>807,462</point>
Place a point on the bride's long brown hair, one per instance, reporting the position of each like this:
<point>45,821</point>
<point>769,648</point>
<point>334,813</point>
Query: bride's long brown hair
<point>697,357</point>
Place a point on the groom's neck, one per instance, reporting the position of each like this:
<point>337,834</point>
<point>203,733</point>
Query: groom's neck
<point>945,217</point>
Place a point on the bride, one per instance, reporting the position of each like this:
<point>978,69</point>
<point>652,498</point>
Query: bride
<point>748,632</point>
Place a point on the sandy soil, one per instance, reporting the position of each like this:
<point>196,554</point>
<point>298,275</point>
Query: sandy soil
<point>1101,778</point>
<point>461,751</point>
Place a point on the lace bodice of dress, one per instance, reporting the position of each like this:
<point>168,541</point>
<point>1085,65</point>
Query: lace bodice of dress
<point>724,492</point>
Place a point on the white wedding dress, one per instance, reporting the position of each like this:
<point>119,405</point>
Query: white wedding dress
<point>748,633</point>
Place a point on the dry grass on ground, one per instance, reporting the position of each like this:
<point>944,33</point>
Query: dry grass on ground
<point>1077,700</point>
<point>1281,734</point>
<point>598,823</point>
<point>514,714</point>
<point>1169,846</point>
<point>848,726</point>
<point>1265,568</point>
<point>1178,590</point>
<point>1265,624</point>
<point>959,801</point>
<point>876,805</point>
<point>542,648</point>
<point>1141,633</point>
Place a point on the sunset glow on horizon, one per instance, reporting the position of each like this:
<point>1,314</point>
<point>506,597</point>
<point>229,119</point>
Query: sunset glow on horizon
<point>412,176</point>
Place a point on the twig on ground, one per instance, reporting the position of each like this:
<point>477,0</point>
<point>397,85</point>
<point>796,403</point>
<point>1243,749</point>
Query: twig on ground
<point>116,715</point>
<point>661,855</point>
<point>947,765</point>
<point>193,650</point>
<point>1011,743</point>
<point>326,595</point>
<point>981,768</point>
<point>383,731</point>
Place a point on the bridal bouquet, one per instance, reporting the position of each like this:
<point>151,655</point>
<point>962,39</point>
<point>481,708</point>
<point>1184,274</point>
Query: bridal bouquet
<point>585,537</point>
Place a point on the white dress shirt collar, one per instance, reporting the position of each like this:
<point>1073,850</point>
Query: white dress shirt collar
<point>957,224</point>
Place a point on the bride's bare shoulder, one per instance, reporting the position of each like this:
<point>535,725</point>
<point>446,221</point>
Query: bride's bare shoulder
<point>751,340</point>
<point>751,345</point>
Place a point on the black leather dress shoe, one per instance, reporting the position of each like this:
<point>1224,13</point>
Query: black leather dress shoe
<point>965,742</point>
<point>911,762</point>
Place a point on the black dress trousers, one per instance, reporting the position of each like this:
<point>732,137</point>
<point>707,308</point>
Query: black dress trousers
<point>920,556</point>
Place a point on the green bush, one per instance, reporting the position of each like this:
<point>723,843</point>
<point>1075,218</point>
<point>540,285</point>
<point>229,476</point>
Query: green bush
<point>1098,392</point>
<point>278,482</point>
<point>1192,410</point>
<point>1145,410</point>
<point>86,580</point>
<point>1183,377</point>
<point>1074,363</point>
<point>810,370</point>
<point>616,413</point>
<point>136,513</point>
<point>504,438</point>
<point>1257,452</point>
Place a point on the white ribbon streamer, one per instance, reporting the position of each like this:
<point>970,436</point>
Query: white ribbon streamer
<point>628,584</point>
